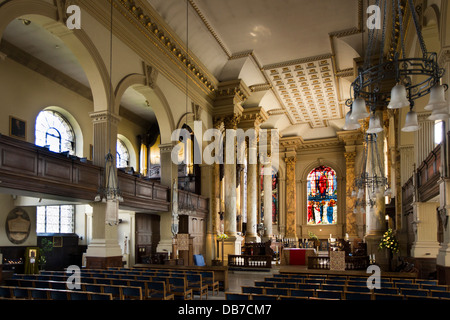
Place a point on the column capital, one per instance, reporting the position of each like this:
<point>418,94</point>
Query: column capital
<point>252,118</point>
<point>105,116</point>
<point>290,160</point>
<point>166,147</point>
<point>350,157</point>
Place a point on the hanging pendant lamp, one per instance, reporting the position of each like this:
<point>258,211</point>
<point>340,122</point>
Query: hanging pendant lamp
<point>399,97</point>
<point>374,124</point>
<point>437,98</point>
<point>411,123</point>
<point>350,124</point>
<point>359,110</point>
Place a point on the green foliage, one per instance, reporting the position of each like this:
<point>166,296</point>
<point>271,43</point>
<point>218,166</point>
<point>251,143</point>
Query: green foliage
<point>389,241</point>
<point>45,248</point>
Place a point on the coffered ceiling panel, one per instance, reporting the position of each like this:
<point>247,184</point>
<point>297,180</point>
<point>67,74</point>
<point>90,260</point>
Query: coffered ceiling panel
<point>308,91</point>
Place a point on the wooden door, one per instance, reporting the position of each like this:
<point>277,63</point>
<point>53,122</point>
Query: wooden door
<point>147,236</point>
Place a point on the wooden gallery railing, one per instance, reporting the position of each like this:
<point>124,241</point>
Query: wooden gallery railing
<point>27,167</point>
<point>351,262</point>
<point>248,261</point>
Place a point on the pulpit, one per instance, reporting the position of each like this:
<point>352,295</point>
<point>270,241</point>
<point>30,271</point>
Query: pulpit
<point>185,246</point>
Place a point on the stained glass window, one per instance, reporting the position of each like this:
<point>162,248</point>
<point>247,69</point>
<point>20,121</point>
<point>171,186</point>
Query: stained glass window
<point>123,156</point>
<point>54,131</point>
<point>322,196</point>
<point>55,219</point>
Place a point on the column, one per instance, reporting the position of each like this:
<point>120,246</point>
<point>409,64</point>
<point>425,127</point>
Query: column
<point>375,214</point>
<point>251,119</point>
<point>252,197</point>
<point>351,221</point>
<point>425,227</point>
<point>267,187</point>
<point>103,250</point>
<point>169,174</point>
<point>291,192</point>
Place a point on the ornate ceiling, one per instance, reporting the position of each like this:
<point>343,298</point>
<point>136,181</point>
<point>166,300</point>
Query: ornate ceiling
<point>298,53</point>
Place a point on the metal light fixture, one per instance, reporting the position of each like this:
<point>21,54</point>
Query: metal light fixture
<point>109,190</point>
<point>413,77</point>
<point>371,181</point>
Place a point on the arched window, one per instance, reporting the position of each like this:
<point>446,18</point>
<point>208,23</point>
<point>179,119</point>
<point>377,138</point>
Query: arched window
<point>54,131</point>
<point>322,196</point>
<point>123,156</point>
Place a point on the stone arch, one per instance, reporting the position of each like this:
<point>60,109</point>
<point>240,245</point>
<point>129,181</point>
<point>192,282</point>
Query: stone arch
<point>48,16</point>
<point>156,98</point>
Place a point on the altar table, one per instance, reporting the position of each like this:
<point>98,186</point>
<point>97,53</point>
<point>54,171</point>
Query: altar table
<point>296,256</point>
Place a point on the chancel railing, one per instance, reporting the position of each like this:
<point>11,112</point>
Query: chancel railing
<point>351,262</point>
<point>249,261</point>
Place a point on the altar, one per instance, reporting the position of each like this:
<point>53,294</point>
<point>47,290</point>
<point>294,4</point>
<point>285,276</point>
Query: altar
<point>296,256</point>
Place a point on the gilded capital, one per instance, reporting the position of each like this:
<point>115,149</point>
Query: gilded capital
<point>290,160</point>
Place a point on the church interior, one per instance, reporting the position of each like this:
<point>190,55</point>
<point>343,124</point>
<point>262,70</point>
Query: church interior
<point>250,149</point>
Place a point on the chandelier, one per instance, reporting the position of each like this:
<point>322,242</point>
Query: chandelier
<point>372,179</point>
<point>109,190</point>
<point>394,81</point>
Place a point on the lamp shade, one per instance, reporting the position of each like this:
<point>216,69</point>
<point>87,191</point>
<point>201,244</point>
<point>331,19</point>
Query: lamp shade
<point>350,124</point>
<point>374,124</point>
<point>359,110</point>
<point>439,114</point>
<point>399,97</point>
<point>411,123</point>
<point>437,98</point>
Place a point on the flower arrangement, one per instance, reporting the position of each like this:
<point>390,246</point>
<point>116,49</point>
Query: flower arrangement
<point>222,236</point>
<point>312,236</point>
<point>389,242</point>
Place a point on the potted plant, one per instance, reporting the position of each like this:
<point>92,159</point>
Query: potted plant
<point>314,238</point>
<point>389,242</point>
<point>45,248</point>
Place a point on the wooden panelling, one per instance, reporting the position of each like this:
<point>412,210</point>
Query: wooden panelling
<point>24,166</point>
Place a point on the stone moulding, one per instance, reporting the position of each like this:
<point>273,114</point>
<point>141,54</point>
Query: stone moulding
<point>169,44</point>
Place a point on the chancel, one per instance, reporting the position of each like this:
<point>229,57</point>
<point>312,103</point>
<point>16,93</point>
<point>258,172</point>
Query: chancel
<point>224,150</point>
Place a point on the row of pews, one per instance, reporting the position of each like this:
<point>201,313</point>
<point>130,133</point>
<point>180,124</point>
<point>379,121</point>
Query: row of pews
<point>333,287</point>
<point>111,284</point>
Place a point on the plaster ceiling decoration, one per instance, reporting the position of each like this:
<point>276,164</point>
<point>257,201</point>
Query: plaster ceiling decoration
<point>307,90</point>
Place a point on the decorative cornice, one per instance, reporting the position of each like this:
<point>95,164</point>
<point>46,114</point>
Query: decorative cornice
<point>210,29</point>
<point>297,61</point>
<point>321,143</point>
<point>175,49</point>
<point>260,87</point>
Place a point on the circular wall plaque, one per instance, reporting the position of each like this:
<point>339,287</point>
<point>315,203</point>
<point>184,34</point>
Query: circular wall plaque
<point>18,226</point>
